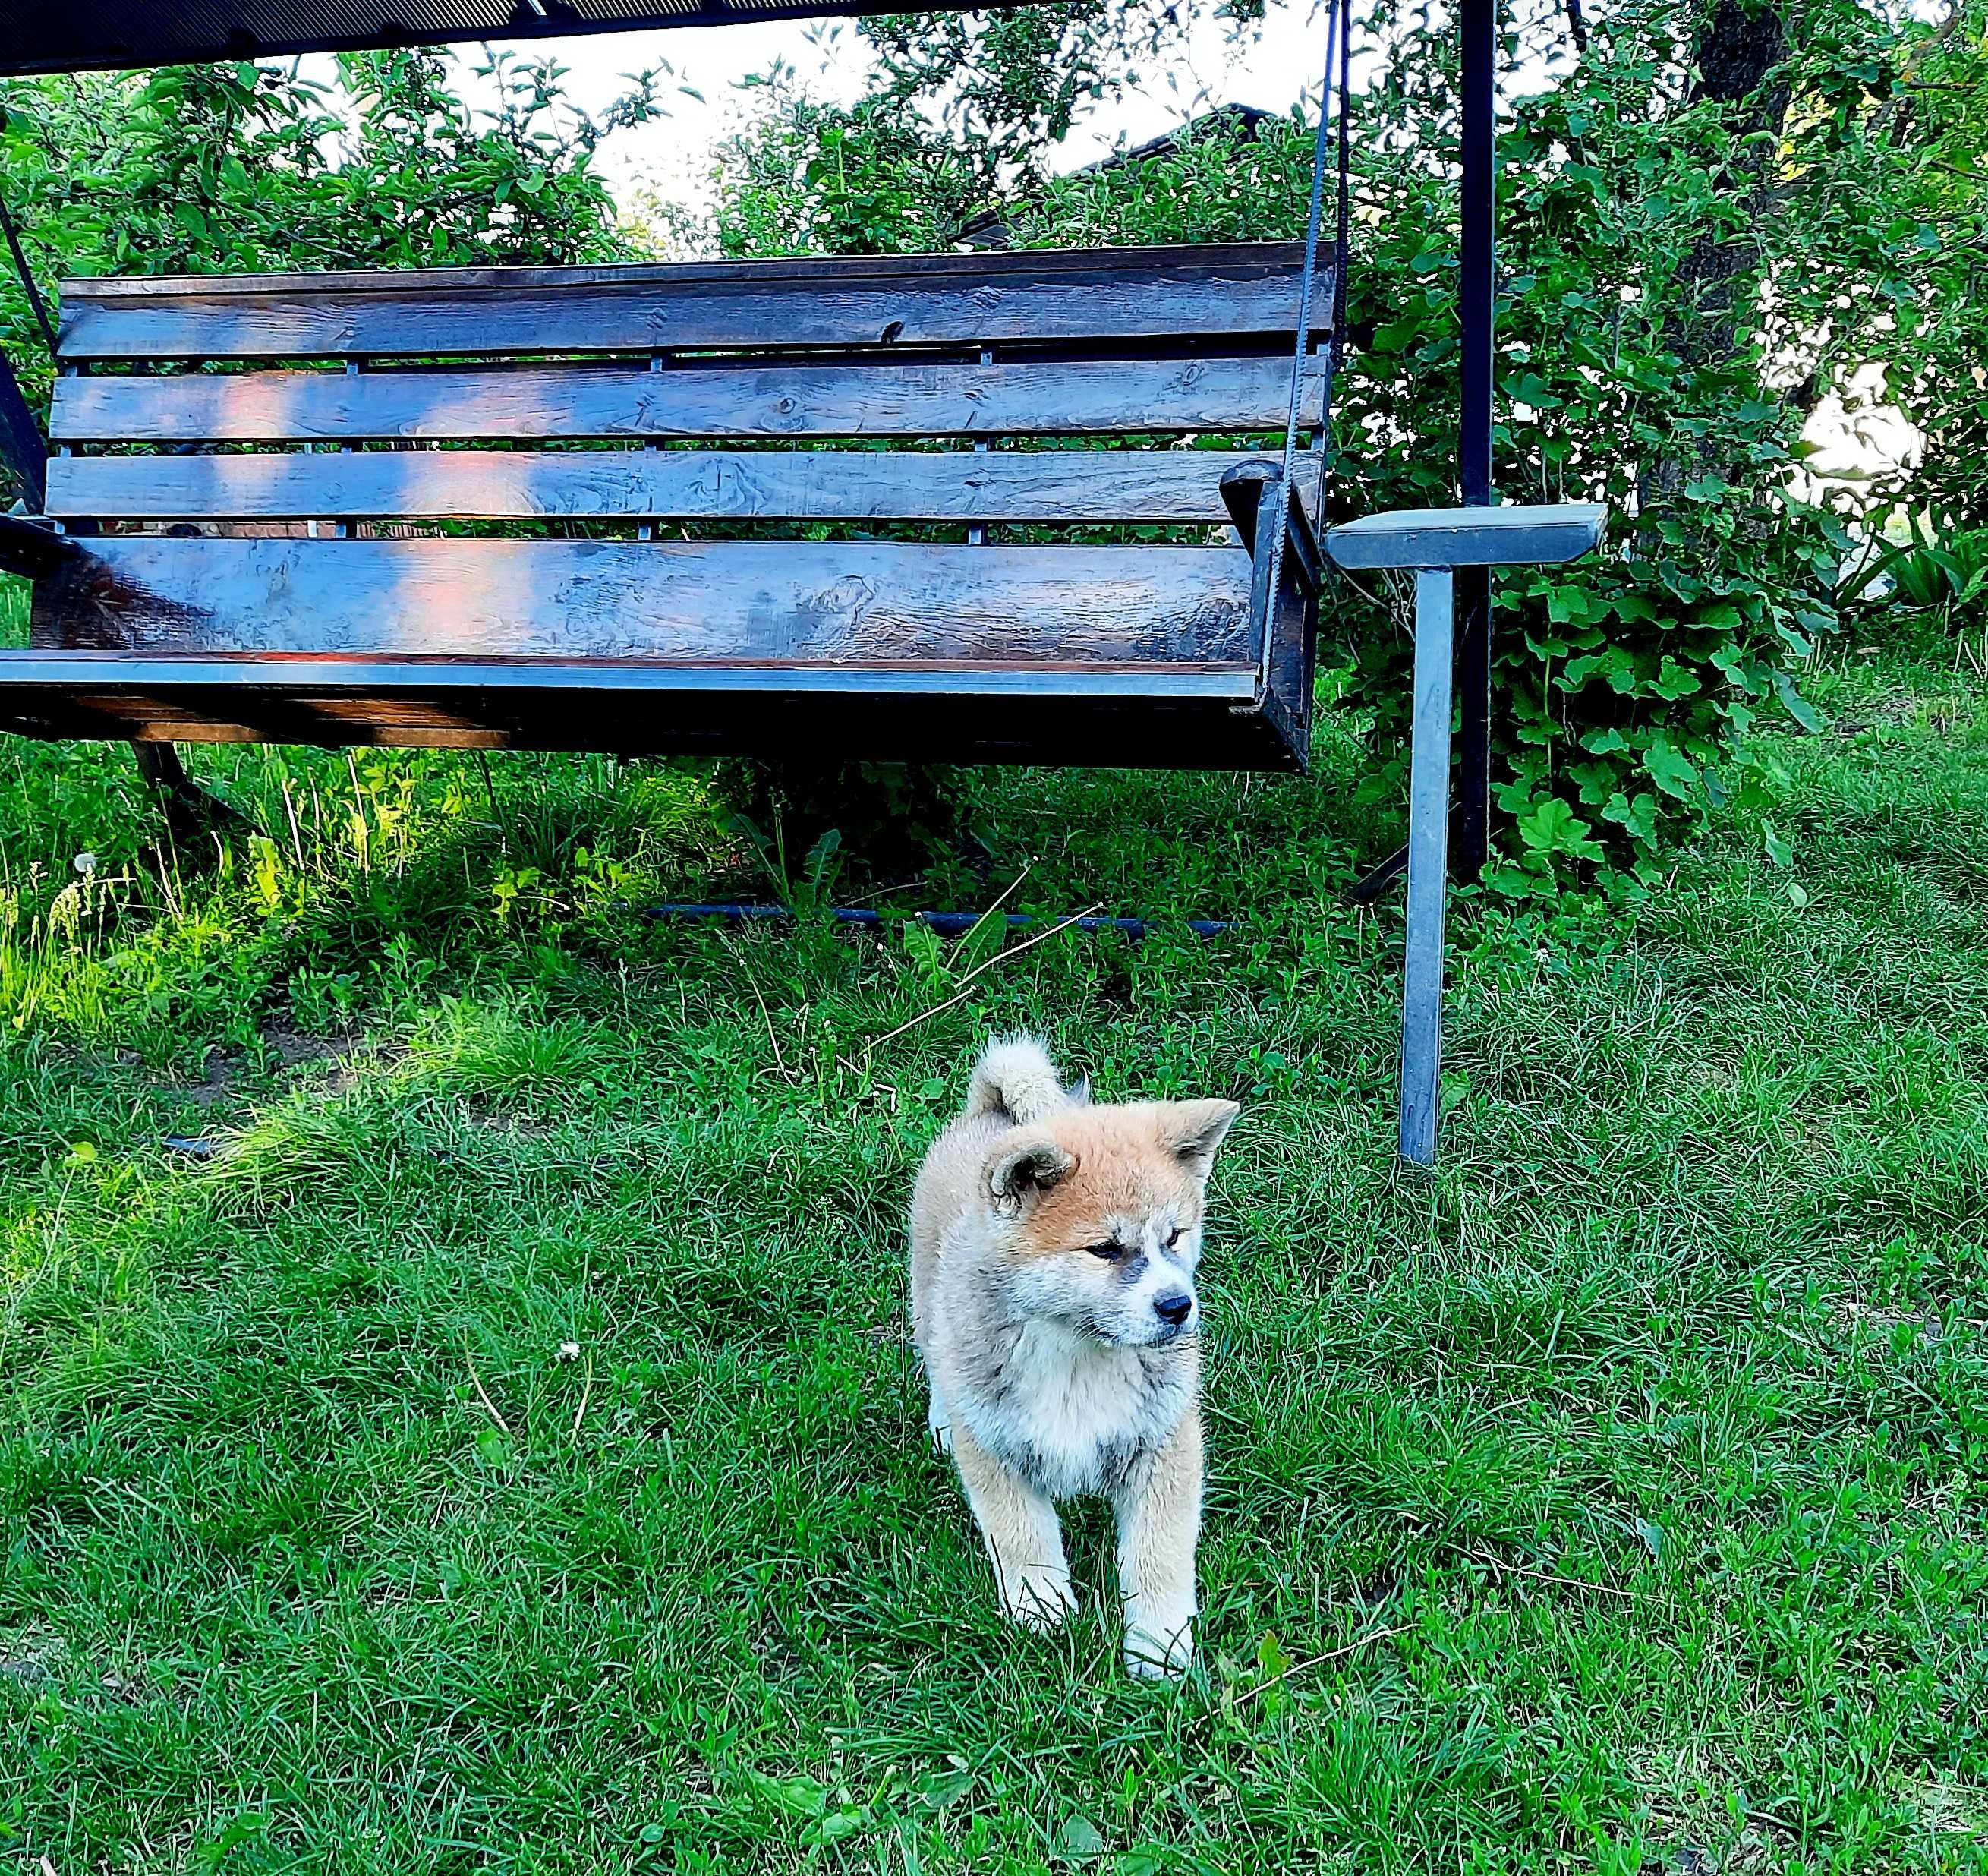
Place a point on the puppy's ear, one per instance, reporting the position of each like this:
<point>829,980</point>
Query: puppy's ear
<point>1193,1131</point>
<point>1027,1167</point>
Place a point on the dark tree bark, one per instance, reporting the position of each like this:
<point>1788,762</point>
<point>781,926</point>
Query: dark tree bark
<point>1739,47</point>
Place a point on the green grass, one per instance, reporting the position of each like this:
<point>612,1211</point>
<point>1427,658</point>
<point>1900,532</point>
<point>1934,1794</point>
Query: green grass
<point>1613,1501</point>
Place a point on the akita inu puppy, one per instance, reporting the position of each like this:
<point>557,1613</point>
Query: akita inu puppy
<point>1053,1247</point>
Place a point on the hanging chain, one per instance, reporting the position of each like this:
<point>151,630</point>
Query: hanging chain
<point>1339,21</point>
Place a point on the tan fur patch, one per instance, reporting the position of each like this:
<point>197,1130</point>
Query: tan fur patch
<point>1126,1168</point>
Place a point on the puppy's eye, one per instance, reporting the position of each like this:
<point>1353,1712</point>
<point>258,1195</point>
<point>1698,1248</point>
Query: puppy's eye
<point>1110,1253</point>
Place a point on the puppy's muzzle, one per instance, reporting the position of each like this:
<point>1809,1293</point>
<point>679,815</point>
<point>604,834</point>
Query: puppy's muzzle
<point>1173,1307</point>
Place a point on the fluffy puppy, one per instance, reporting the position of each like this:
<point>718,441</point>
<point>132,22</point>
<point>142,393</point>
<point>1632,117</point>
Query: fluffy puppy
<point>1053,1248</point>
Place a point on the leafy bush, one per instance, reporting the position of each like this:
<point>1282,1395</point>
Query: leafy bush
<point>1709,220</point>
<point>248,169</point>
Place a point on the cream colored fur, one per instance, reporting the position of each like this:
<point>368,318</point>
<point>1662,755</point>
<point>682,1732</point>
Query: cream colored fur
<point>1054,1250</point>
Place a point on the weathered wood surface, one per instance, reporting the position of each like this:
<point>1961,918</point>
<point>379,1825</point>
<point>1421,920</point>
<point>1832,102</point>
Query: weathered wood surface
<point>1519,535</point>
<point>1242,289</point>
<point>1070,486</point>
<point>1428,868</point>
<point>739,602</point>
<point>1062,398</point>
<point>1143,656</point>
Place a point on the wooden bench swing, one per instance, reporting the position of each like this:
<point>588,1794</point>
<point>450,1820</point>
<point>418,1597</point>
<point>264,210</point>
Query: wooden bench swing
<point>832,444</point>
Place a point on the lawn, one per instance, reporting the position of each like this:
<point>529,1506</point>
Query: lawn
<point>456,1411</point>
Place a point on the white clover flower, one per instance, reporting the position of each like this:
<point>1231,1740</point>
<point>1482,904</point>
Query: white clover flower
<point>86,864</point>
<point>569,1351</point>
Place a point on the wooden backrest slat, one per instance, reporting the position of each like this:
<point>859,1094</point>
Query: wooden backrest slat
<point>789,401</point>
<point>1048,485</point>
<point>1241,291</point>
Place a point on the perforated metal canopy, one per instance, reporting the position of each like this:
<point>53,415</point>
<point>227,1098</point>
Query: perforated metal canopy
<point>36,35</point>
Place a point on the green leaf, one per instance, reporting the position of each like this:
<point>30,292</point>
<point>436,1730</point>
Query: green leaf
<point>1569,605</point>
<point>1778,849</point>
<point>1271,1657</point>
<point>1615,667</point>
<point>1529,388</point>
<point>837,1825</point>
<point>1673,681</point>
<point>942,1789</point>
<point>795,1797</point>
<point>1794,703</point>
<point>1636,814</point>
<point>1080,1839</point>
<point>1553,827</point>
<point>1670,770</point>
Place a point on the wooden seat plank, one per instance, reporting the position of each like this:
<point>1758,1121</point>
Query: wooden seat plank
<point>438,674</point>
<point>729,602</point>
<point>1066,485</point>
<point>1245,290</point>
<point>1059,397</point>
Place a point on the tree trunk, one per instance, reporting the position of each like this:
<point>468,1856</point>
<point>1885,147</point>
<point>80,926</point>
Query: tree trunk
<point>1738,46</point>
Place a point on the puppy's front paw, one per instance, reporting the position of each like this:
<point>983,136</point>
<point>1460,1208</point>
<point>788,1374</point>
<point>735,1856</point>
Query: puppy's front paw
<point>1157,1648</point>
<point>1038,1598</point>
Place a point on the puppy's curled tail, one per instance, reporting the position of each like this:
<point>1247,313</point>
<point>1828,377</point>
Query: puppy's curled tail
<point>1015,1080</point>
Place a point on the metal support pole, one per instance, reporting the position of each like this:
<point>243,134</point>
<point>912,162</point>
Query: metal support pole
<point>1472,838</point>
<point>1477,310</point>
<point>1429,883</point>
<point>195,819</point>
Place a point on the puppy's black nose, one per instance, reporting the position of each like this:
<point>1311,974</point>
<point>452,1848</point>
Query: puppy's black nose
<point>1175,1307</point>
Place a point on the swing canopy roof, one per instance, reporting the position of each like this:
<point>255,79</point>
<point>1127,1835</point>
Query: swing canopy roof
<point>105,35</point>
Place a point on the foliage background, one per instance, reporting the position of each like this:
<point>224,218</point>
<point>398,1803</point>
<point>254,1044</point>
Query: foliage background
<point>1711,218</point>
<point>252,168</point>
<point>1715,215</point>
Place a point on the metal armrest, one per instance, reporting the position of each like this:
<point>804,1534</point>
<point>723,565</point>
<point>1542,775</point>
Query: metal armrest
<point>1242,491</point>
<point>30,545</point>
<point>1515,537</point>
